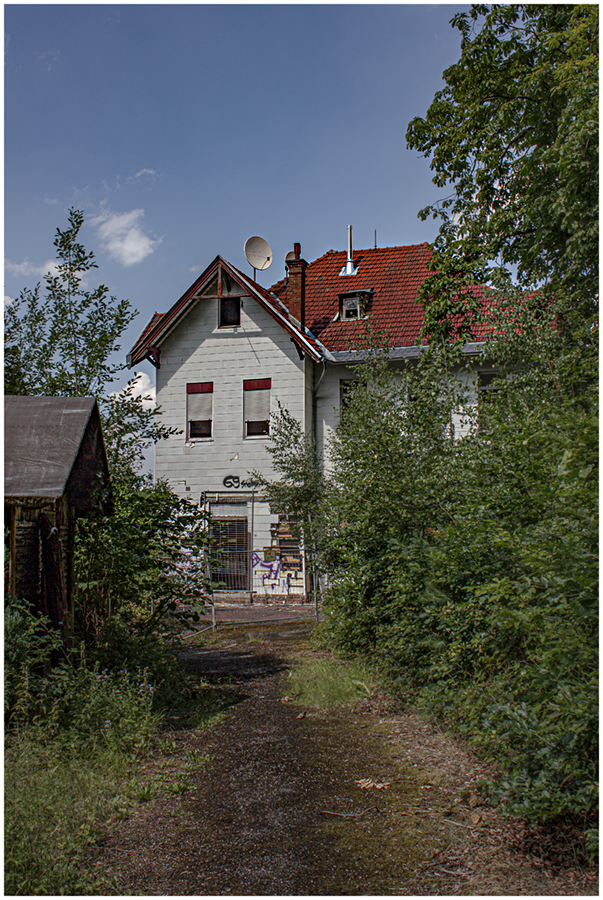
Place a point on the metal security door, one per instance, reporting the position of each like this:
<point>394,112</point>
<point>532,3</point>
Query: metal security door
<point>230,553</point>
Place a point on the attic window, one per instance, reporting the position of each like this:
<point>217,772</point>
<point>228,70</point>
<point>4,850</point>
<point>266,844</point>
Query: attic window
<point>353,306</point>
<point>230,311</point>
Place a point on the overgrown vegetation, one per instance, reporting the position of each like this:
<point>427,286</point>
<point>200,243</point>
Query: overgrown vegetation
<point>53,806</point>
<point>458,528</point>
<point>72,726</point>
<point>330,682</point>
<point>133,566</point>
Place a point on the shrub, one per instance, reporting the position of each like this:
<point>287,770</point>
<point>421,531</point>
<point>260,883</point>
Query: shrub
<point>52,807</point>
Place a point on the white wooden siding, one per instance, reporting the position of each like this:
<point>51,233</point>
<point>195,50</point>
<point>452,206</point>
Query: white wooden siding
<point>199,351</point>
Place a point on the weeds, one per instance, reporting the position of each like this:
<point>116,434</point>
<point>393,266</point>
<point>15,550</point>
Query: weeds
<point>326,683</point>
<point>73,737</point>
<point>53,809</point>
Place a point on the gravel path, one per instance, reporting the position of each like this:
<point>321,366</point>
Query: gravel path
<point>277,809</point>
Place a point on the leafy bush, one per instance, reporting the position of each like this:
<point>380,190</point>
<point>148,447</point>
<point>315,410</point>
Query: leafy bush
<point>142,565</point>
<point>29,641</point>
<point>468,568</point>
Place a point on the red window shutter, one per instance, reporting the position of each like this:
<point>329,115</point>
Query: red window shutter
<point>203,387</point>
<point>257,384</point>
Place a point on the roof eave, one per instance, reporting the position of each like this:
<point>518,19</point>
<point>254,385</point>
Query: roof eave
<point>342,357</point>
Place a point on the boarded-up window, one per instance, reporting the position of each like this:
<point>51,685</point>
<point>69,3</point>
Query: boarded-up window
<point>256,407</point>
<point>286,545</point>
<point>199,409</point>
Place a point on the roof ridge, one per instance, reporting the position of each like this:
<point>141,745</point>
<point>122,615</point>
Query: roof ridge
<point>368,250</point>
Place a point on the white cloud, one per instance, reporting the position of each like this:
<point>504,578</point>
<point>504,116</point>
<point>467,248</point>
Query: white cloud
<point>26,269</point>
<point>115,187</point>
<point>122,236</point>
<point>151,173</point>
<point>144,388</point>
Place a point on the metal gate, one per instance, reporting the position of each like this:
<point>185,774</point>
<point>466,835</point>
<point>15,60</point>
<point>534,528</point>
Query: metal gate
<point>229,560</point>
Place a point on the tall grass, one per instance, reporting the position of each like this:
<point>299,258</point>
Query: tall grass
<point>54,806</point>
<point>326,683</point>
<point>72,734</point>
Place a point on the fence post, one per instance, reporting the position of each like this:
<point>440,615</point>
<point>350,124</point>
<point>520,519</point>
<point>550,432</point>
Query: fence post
<point>250,550</point>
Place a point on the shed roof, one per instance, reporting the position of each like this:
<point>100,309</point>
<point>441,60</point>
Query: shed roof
<point>53,446</point>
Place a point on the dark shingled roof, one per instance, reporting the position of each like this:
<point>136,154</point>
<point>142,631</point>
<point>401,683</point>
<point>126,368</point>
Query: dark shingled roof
<point>53,446</point>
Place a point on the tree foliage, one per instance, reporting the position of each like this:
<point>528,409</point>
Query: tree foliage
<point>131,568</point>
<point>461,530</point>
<point>63,343</point>
<point>514,135</point>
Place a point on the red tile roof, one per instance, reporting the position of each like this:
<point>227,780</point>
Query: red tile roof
<point>393,274</point>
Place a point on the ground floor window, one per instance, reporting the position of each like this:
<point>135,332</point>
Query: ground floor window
<point>287,546</point>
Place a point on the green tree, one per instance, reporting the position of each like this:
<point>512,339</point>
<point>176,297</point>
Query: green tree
<point>133,566</point>
<point>469,567</point>
<point>514,137</point>
<point>64,343</point>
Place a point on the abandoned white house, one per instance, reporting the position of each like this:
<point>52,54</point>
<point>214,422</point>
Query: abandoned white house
<point>228,350</point>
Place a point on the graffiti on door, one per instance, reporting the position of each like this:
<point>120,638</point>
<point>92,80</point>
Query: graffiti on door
<point>272,569</point>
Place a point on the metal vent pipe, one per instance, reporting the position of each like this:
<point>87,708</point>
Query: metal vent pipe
<point>349,266</point>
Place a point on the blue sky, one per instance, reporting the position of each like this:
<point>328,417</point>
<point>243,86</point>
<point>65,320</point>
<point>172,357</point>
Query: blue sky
<point>181,130</point>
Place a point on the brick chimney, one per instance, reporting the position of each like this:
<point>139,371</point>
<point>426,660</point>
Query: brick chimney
<point>296,289</point>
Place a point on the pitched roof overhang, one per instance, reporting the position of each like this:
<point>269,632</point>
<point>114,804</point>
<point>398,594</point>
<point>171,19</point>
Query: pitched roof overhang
<point>161,325</point>
<point>54,448</point>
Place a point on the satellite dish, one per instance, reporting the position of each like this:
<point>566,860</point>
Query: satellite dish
<point>290,255</point>
<point>258,253</point>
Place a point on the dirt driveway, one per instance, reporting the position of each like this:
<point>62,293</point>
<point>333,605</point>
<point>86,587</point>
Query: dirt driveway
<point>269,801</point>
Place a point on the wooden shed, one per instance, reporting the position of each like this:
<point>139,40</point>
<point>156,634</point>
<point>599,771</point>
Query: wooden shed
<point>55,470</point>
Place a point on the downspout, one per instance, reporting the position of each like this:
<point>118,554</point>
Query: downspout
<point>315,428</point>
<point>314,400</point>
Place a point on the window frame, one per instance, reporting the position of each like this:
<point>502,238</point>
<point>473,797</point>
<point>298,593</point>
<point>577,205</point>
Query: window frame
<point>346,387</point>
<point>362,299</point>
<point>488,385</point>
<point>192,389</point>
<point>250,385</point>
<point>229,299</point>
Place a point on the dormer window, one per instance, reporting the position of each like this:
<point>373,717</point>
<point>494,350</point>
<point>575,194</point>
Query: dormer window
<point>353,306</point>
<point>350,308</point>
